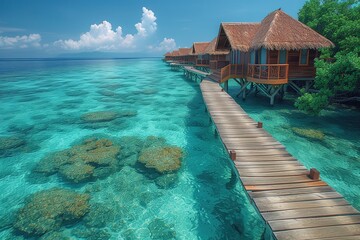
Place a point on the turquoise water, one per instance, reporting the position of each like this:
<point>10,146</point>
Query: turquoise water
<point>43,103</point>
<point>334,151</point>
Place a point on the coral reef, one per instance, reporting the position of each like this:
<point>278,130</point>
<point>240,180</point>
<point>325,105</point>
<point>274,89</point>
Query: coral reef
<point>160,230</point>
<point>11,145</point>
<point>101,116</point>
<point>7,143</point>
<point>98,216</point>
<point>93,158</point>
<point>48,210</point>
<point>163,159</point>
<point>309,133</point>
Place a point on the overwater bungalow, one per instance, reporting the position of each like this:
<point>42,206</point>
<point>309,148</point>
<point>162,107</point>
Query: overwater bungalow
<point>185,56</point>
<point>198,51</point>
<point>217,58</point>
<point>265,56</point>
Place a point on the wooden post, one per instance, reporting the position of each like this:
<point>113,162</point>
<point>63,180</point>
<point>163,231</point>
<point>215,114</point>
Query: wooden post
<point>314,174</point>
<point>259,125</point>
<point>233,155</point>
<point>226,86</point>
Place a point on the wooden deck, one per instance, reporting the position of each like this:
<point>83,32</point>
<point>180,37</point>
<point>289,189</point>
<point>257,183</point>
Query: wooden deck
<point>293,205</point>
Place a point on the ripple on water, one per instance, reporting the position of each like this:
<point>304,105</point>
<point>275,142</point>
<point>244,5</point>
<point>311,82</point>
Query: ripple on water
<point>88,139</point>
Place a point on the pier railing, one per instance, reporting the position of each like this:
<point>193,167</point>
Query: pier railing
<point>231,71</point>
<point>268,73</point>
<point>202,62</point>
<point>218,64</point>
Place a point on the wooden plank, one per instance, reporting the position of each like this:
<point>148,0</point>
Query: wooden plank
<point>272,174</point>
<point>262,152</point>
<point>239,164</point>
<point>299,223</point>
<point>295,191</point>
<point>315,212</point>
<point>298,197</point>
<point>306,205</point>
<point>320,232</point>
<point>284,186</point>
<point>275,180</point>
<point>271,168</point>
<point>254,147</point>
<point>355,237</point>
<point>262,159</point>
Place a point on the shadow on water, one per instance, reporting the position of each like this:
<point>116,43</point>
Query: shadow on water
<point>223,209</point>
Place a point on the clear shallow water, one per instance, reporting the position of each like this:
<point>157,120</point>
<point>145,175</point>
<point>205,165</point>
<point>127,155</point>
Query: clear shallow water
<point>42,104</point>
<point>335,151</point>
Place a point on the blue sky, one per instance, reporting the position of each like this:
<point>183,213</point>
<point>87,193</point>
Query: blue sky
<point>50,28</point>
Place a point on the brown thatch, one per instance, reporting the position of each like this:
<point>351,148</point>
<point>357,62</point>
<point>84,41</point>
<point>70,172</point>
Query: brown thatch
<point>184,51</point>
<point>175,53</point>
<point>198,48</point>
<point>168,54</point>
<point>280,31</point>
<point>238,35</point>
<point>211,49</point>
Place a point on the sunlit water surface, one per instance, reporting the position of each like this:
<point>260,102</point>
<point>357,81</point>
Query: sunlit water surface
<point>43,103</point>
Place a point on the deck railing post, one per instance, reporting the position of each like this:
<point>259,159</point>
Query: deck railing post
<point>314,174</point>
<point>233,155</point>
<point>259,125</point>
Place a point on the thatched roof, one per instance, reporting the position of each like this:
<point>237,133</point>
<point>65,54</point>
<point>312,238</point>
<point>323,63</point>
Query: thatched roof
<point>280,31</point>
<point>168,54</point>
<point>211,49</point>
<point>184,51</point>
<point>199,47</point>
<point>238,35</point>
<point>175,53</point>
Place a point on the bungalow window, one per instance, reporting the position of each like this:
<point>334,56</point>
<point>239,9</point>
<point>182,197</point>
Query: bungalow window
<point>282,56</point>
<point>304,57</point>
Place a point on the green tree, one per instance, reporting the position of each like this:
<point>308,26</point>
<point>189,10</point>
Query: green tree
<point>339,21</point>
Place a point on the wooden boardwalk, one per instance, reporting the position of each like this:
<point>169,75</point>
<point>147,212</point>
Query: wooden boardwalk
<point>292,204</point>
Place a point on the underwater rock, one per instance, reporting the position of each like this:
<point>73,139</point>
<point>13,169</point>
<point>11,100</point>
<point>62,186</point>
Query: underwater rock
<point>51,163</point>
<point>101,116</point>
<point>128,113</point>
<point>149,91</point>
<point>160,230</point>
<point>76,93</point>
<point>91,233</point>
<point>7,143</point>
<point>112,86</point>
<point>130,145</point>
<point>98,216</point>
<point>147,197</point>
<point>12,145</point>
<point>167,181</point>
<point>162,159</point>
<point>77,172</point>
<point>21,128</point>
<point>48,210</point>
<point>54,236</point>
<point>107,93</point>
<point>309,133</point>
<point>93,158</point>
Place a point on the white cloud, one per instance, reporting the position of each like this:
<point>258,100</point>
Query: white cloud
<point>25,41</point>
<point>147,25</point>
<point>167,45</point>
<point>102,37</point>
